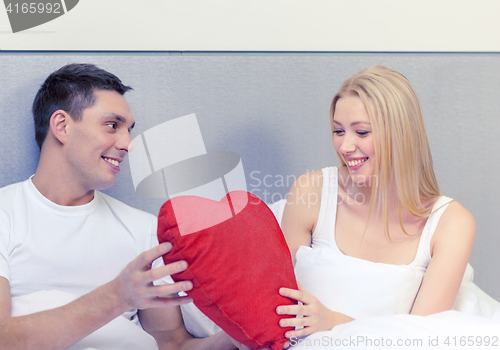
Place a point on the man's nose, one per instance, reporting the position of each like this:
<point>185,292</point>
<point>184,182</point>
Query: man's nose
<point>123,141</point>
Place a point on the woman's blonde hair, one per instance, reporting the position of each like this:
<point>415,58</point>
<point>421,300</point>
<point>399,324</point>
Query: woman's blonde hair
<point>403,159</point>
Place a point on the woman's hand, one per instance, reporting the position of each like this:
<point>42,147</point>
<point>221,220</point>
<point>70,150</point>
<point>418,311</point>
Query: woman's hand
<point>316,316</point>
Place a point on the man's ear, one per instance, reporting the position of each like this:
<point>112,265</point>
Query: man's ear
<point>58,126</point>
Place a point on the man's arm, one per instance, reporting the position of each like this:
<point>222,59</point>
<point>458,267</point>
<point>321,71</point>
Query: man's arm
<point>59,328</point>
<point>167,327</point>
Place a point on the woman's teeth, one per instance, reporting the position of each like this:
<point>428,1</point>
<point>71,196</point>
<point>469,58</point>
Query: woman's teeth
<point>356,162</point>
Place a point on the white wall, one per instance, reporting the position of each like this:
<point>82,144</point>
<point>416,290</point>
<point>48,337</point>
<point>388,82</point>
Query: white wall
<point>272,109</point>
<point>266,25</point>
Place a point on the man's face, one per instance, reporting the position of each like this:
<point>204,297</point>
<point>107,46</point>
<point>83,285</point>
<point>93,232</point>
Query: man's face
<point>99,141</point>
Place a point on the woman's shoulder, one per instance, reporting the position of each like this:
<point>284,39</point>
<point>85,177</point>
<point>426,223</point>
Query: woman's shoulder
<point>310,181</point>
<point>456,225</point>
<point>306,190</point>
<point>316,177</point>
<point>457,214</point>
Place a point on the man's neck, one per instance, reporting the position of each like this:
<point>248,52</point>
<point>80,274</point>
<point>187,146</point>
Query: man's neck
<point>59,190</point>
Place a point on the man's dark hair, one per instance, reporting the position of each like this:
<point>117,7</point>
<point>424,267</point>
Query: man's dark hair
<point>71,88</point>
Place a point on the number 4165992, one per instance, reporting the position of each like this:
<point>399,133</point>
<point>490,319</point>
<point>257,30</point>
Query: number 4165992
<point>472,341</point>
<point>33,7</point>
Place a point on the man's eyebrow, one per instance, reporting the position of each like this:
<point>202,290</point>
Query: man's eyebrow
<point>123,120</point>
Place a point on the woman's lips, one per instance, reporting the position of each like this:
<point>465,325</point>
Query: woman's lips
<point>355,164</point>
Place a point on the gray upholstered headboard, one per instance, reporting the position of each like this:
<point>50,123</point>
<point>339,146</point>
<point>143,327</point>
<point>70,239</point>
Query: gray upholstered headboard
<point>272,109</point>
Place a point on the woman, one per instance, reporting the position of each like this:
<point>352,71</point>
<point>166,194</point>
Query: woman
<point>374,237</point>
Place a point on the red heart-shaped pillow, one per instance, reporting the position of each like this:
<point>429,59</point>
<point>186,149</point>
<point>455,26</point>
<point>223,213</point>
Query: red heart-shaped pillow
<point>237,266</point>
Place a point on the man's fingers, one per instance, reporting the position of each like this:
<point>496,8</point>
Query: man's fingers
<point>145,259</point>
<point>169,302</point>
<point>167,270</point>
<point>169,289</point>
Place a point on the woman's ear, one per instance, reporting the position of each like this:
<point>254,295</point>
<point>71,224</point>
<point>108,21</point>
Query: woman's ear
<point>58,126</point>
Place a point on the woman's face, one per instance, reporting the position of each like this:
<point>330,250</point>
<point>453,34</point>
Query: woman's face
<point>353,138</point>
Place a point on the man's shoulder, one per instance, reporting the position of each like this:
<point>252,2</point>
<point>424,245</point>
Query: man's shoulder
<point>124,210</point>
<point>12,187</point>
<point>134,223</point>
<point>9,192</point>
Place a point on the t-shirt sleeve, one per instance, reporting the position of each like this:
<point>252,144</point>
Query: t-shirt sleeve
<point>158,262</point>
<point>4,245</point>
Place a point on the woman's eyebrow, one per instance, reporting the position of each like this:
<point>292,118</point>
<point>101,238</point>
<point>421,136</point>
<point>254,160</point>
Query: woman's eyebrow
<point>360,122</point>
<point>353,123</point>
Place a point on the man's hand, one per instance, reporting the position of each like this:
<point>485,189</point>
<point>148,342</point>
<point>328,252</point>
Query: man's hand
<point>134,285</point>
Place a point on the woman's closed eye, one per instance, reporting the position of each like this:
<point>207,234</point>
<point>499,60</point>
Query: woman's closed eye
<point>362,133</point>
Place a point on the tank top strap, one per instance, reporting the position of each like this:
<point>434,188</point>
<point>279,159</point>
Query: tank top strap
<point>324,232</point>
<point>423,256</point>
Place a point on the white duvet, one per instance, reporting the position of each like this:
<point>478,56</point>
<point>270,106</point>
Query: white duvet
<point>446,330</point>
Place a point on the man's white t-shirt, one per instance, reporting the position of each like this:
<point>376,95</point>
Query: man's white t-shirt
<point>74,249</point>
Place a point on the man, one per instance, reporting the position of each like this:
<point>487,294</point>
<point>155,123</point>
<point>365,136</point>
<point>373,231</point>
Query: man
<point>57,232</point>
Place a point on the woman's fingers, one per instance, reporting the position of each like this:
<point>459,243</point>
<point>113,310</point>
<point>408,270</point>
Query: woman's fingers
<point>295,322</point>
<point>299,332</point>
<point>293,310</point>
